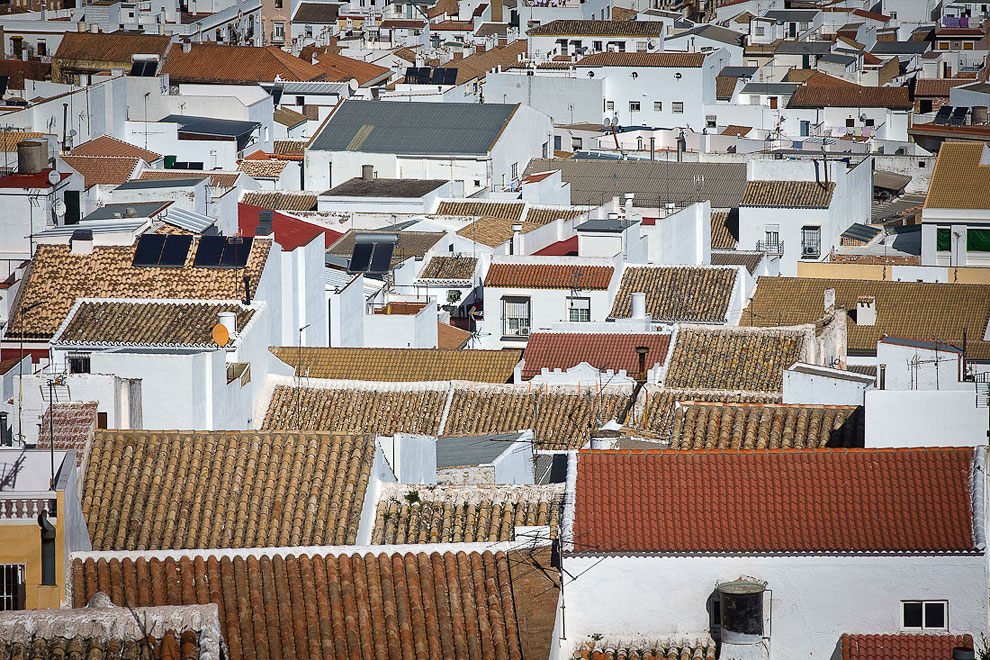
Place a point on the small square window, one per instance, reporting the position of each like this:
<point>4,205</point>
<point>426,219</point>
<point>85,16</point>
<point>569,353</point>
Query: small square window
<point>658,106</point>
<point>579,310</point>
<point>850,122</point>
<point>677,107</point>
<point>913,615</point>
<point>923,615</point>
<point>609,105</point>
<point>78,363</point>
<point>934,615</point>
<point>634,106</point>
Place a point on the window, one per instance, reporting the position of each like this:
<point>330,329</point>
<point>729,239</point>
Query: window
<point>640,46</point>
<point>850,122</point>
<point>278,4</point>
<point>773,102</point>
<point>634,106</point>
<point>943,45</point>
<point>925,106</point>
<point>811,242</point>
<point>556,142</point>
<point>710,121</point>
<point>869,122</point>
<point>760,30</point>
<point>658,106</point>
<point>78,363</point>
<point>579,310</point>
<point>677,107</point>
<point>309,31</point>
<point>11,587</point>
<point>771,240</point>
<point>577,144</point>
<point>515,170</point>
<point>516,316</point>
<point>967,45</point>
<point>923,614</point>
<point>609,106</point>
<point>546,150</point>
<point>278,33</point>
<point>804,25</point>
<point>43,48</point>
<point>477,184</point>
<point>300,101</point>
<point>596,46</point>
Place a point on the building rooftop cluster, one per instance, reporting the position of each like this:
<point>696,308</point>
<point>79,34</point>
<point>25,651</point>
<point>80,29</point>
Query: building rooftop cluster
<point>494,329</point>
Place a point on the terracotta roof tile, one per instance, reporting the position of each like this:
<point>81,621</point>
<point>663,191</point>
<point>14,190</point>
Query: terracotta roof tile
<point>18,71</point>
<point>56,277</point>
<point>732,358</point>
<point>543,215</point>
<point>492,231</point>
<point>288,117</point>
<point>603,351</point>
<point>660,404</point>
<point>237,64</point>
<point>508,210</point>
<point>154,490</point>
<point>725,86</point>
<point>280,201</point>
<point>74,425</point>
<point>598,28</point>
<point>787,194</point>
<point>548,276</point>
<point>449,268</point>
<point>477,65</point>
<point>916,310</point>
<point>9,139</point>
<point>901,647</point>
<point>960,179</point>
<point>378,411</point>
<point>463,514</point>
<point>107,145</point>
<point>936,86</point>
<point>832,96</point>
<point>339,68</point>
<point>450,337</point>
<point>766,426</point>
<point>749,259</point>
<point>110,47</point>
<point>262,168</point>
<point>725,230</point>
<point>663,650</point>
<point>166,323</point>
<point>401,364</point>
<point>102,170</point>
<point>412,605</point>
<point>290,147</point>
<point>677,293</point>
<point>890,500</point>
<point>664,60</point>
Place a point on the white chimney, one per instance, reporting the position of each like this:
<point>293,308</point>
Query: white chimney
<point>639,305</point>
<point>866,310</point>
<point>186,46</point>
<point>829,300</point>
<point>516,246</point>
<point>628,199</point>
<point>81,241</point>
<point>229,321</point>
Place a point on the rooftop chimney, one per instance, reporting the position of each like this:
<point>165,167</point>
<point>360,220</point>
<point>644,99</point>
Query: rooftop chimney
<point>681,147</point>
<point>639,306</point>
<point>81,241</point>
<point>367,172</point>
<point>265,217</point>
<point>628,199</point>
<point>229,321</point>
<point>866,310</point>
<point>641,351</point>
<point>514,246</point>
<point>186,46</point>
<point>829,300</point>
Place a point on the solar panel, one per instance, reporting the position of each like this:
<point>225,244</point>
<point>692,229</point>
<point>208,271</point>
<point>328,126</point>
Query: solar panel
<point>235,255</point>
<point>360,258</point>
<point>137,68</point>
<point>149,249</point>
<point>450,77</point>
<point>209,251</point>
<point>382,258</point>
<point>410,75</point>
<point>175,252</point>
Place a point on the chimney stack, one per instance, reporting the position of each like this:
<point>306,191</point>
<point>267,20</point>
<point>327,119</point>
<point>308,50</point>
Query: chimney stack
<point>186,46</point>
<point>639,306</point>
<point>829,301</point>
<point>229,321</point>
<point>866,310</point>
<point>367,172</point>
<point>81,241</point>
<point>641,351</point>
<point>515,247</point>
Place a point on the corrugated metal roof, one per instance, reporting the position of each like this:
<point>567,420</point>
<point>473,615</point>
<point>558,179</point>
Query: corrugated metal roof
<point>473,449</point>
<point>414,128</point>
<point>314,87</point>
<point>188,220</point>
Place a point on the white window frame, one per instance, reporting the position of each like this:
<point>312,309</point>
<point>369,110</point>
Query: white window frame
<point>510,329</point>
<point>581,305</point>
<point>658,106</point>
<point>609,106</point>
<point>924,616</point>
<point>634,106</point>
<point>677,107</point>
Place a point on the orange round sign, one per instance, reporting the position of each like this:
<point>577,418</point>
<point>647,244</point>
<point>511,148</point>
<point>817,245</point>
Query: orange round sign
<point>220,334</point>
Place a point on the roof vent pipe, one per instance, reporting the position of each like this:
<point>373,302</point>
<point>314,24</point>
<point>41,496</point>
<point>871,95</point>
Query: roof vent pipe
<point>681,147</point>
<point>247,289</point>
<point>229,321</point>
<point>641,352</point>
<point>367,172</point>
<point>963,653</point>
<point>639,306</point>
<point>514,246</point>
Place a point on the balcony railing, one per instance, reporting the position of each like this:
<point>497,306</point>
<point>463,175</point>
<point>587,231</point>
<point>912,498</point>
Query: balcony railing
<point>811,250</point>
<point>773,248</point>
<point>25,506</point>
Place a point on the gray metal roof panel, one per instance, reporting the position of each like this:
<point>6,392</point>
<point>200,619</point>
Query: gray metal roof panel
<point>144,210</point>
<point>616,226</point>
<point>900,47</point>
<point>838,59</point>
<point>803,47</point>
<point>211,126</point>
<point>393,127</point>
<point>473,449</point>
<point>792,15</point>
<point>738,71</point>
<point>141,184</point>
<point>770,88</point>
<point>312,88</point>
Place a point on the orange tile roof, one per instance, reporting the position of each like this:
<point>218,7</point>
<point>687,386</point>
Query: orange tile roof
<point>340,68</point>
<point>507,210</point>
<point>450,337</point>
<point>616,351</point>
<point>237,64</point>
<point>725,86</point>
<point>788,194</point>
<point>110,47</point>
<point>477,65</point>
<point>400,364</point>
<point>902,647</point>
<point>836,96</point>
<point>677,293</point>
<point>110,146</point>
<point>779,501</point>
<point>936,86</point>
<point>960,180</point>
<point>578,27</point>
<point>642,650</point>
<point>548,276</point>
<point>102,170</point>
<point>309,605</point>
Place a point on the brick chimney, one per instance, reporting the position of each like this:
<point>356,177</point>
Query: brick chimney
<point>496,10</point>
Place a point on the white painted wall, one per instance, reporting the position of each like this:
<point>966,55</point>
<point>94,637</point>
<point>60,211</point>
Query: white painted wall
<point>346,311</point>
<point>914,368</point>
<point>943,418</point>
<point>402,330</point>
<point>565,99</point>
<point>820,389</point>
<point>413,457</point>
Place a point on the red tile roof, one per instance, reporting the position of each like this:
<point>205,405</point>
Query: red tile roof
<point>102,170</point>
<point>111,146</point>
<point>801,501</point>
<point>340,68</point>
<point>664,60</point>
<point>289,232</point>
<point>548,276</point>
<point>565,248</point>
<point>237,64</point>
<point>853,96</point>
<point>902,647</point>
<point>422,605</point>
<point>563,350</point>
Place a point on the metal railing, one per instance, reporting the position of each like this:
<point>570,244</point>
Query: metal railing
<point>773,248</point>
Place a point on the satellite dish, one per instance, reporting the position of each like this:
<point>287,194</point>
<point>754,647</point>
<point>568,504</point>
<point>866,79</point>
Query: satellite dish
<point>72,133</point>
<point>607,121</point>
<point>221,336</point>
<point>54,177</point>
<point>59,207</point>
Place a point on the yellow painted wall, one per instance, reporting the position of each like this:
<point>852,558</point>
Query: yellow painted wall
<point>825,270</point>
<point>21,544</point>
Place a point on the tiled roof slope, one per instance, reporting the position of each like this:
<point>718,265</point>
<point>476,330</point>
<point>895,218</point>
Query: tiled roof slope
<point>411,244</point>
<point>916,310</point>
<point>449,268</point>
<point>832,96</point>
<point>660,404</point>
<point>725,86</point>
<point>407,606</point>
<point>796,501</point>
<point>679,650</point>
<point>74,424</point>
<point>597,28</point>
<point>121,323</point>
<point>382,412</point>
<point>340,68</point>
<point>725,230</point>
<point>677,293</point>
<point>960,179</point>
<point>107,145</point>
<point>548,276</point>
<point>263,168</point>
<point>115,47</point>
<point>492,231</point>
<point>56,277</point>
<point>508,210</point>
<point>901,647</point>
<point>450,337</point>
<point>732,359</point>
<point>788,194</point>
<point>102,170</point>
<point>153,490</point>
<point>542,215</point>
<point>400,364</point>
<point>766,426</point>
<point>604,351</point>
<point>237,64</point>
<point>563,420</point>
<point>278,201</point>
<point>749,259</point>
<point>478,65</point>
<point>463,514</point>
<point>664,60</point>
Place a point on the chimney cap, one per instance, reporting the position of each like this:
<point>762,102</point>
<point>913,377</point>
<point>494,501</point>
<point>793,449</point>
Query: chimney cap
<point>516,227</point>
<point>642,350</point>
<point>82,235</point>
